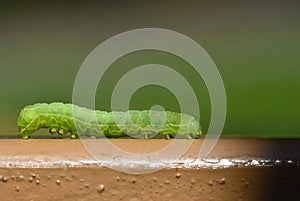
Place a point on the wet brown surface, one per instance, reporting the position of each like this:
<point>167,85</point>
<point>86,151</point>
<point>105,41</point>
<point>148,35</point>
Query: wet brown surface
<point>288,148</point>
<point>206,184</point>
<point>240,182</point>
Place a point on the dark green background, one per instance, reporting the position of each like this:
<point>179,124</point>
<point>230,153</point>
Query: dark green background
<point>254,45</point>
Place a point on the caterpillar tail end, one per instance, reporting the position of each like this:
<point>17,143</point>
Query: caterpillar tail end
<point>198,135</point>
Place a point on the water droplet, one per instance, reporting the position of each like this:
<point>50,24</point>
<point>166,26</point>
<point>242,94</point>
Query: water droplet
<point>4,179</point>
<point>100,188</point>
<point>211,160</point>
<point>113,192</point>
<point>68,179</point>
<point>58,182</point>
<point>222,181</point>
<point>225,162</point>
<point>178,175</point>
<point>20,178</point>
<point>254,162</point>
<point>193,181</point>
<point>17,188</point>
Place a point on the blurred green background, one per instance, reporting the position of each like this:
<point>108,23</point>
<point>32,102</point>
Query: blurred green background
<point>254,45</point>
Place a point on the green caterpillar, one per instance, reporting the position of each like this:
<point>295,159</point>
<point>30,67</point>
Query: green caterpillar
<point>68,118</point>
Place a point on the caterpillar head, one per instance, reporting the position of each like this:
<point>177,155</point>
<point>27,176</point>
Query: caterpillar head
<point>26,116</point>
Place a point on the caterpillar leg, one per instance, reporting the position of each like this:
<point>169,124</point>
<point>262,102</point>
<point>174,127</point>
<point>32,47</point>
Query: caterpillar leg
<point>146,136</point>
<point>167,133</point>
<point>61,131</point>
<point>147,133</point>
<point>53,130</point>
<point>74,136</point>
<point>188,135</point>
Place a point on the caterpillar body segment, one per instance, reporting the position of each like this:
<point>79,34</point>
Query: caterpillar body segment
<point>68,118</point>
